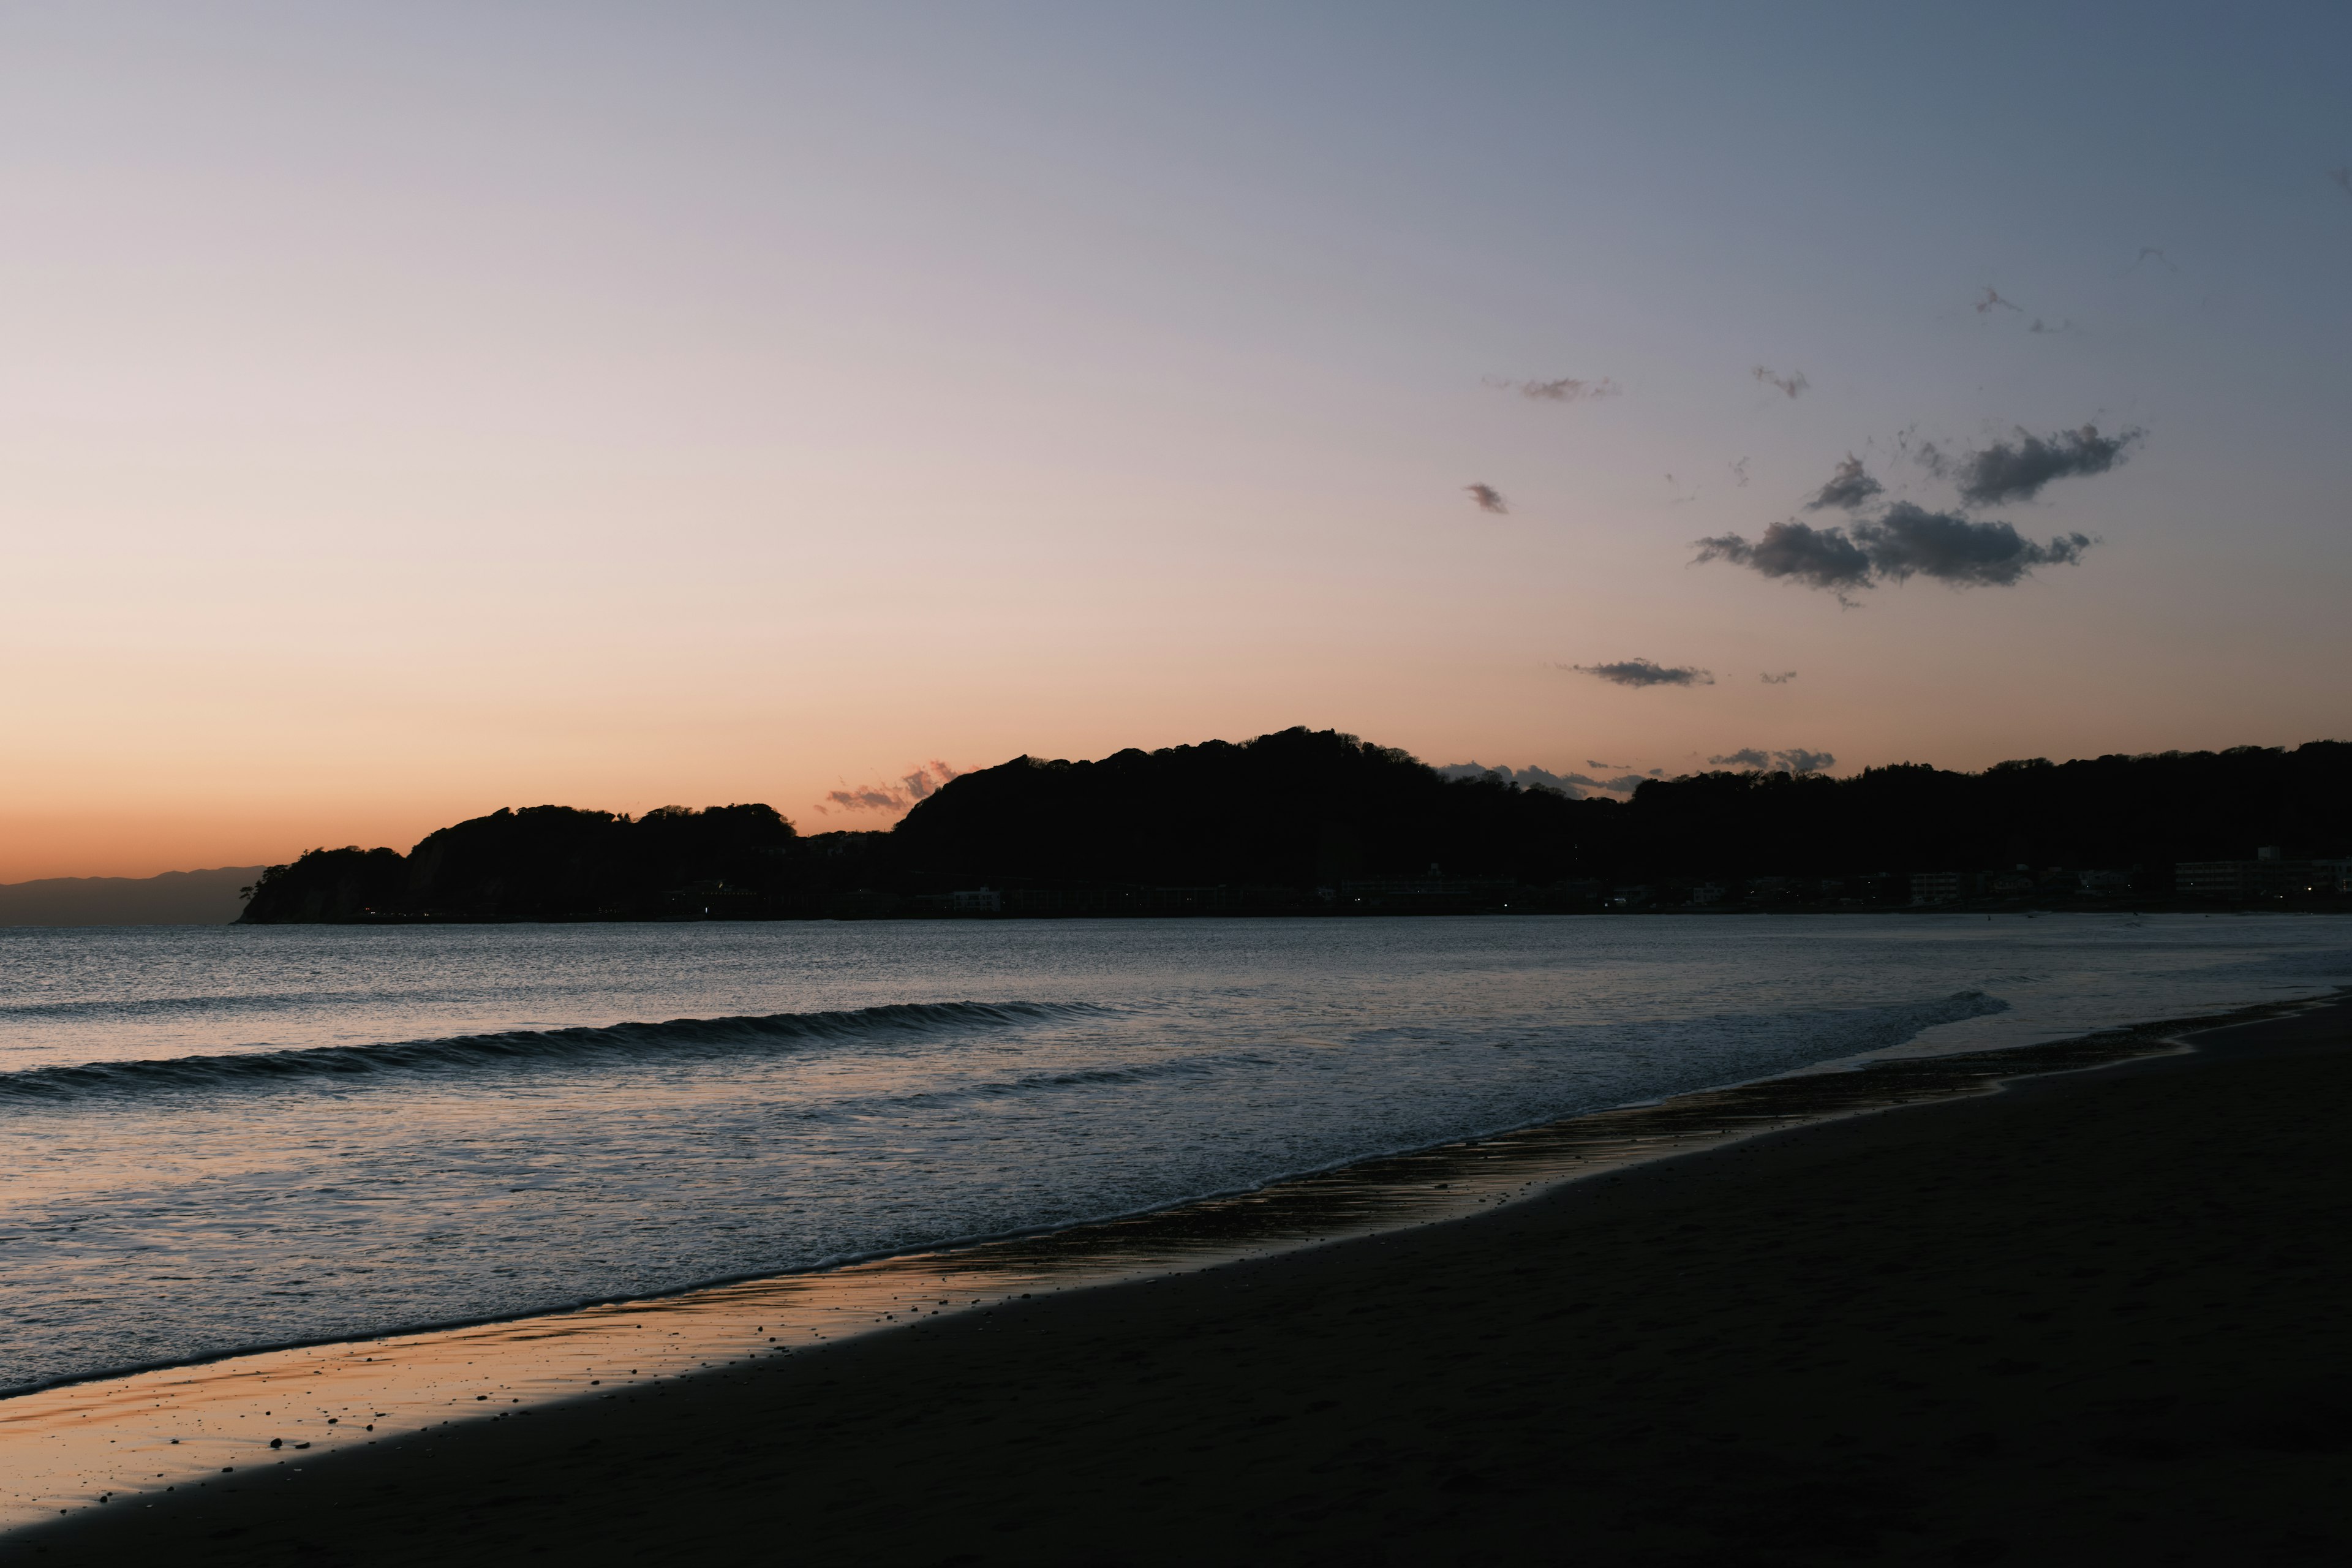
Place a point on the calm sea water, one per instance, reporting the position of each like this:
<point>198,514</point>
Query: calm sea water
<point>217,1139</point>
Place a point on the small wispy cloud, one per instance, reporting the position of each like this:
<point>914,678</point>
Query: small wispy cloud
<point>1906,541</point>
<point>1992,301</point>
<point>1911,541</point>
<point>2017,471</point>
<point>1562,389</point>
<point>1850,488</point>
<point>2342,178</point>
<point>1573,785</point>
<point>1487,496</point>
<point>1791,383</point>
<point>1644,672</point>
<point>1795,760</point>
<point>2148,253</point>
<point>1740,473</point>
<point>1818,557</point>
<point>1769,679</point>
<point>914,787</point>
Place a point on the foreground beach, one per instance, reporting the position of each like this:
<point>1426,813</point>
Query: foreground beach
<point>2096,1316</point>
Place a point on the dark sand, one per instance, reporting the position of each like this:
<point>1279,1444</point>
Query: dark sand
<point>2095,1318</point>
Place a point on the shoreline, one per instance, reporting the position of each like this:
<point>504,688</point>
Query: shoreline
<point>1382,1183</point>
<point>2069,1321</point>
<point>90,1430</point>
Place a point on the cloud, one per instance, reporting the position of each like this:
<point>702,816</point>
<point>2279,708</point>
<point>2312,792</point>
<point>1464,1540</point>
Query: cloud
<point>1643,672</point>
<point>919,785</point>
<point>1993,299</point>
<point>2017,471</point>
<point>1818,557</point>
<point>1792,383</point>
<point>2161,259</point>
<point>1782,678</point>
<point>1910,541</point>
<point>1795,760</point>
<point>2039,326</point>
<point>1573,785</point>
<point>1849,488</point>
<point>1567,389</point>
<point>1740,473</point>
<point>1488,498</point>
<point>2341,177</point>
<point>1906,541</point>
<point>1529,778</point>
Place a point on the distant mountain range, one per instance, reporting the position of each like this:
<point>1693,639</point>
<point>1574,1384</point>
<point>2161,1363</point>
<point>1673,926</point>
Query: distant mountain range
<point>174,899</point>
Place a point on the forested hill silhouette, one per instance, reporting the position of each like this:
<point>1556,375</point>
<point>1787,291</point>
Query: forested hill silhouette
<point>1296,809</point>
<point>1314,820</point>
<point>543,862</point>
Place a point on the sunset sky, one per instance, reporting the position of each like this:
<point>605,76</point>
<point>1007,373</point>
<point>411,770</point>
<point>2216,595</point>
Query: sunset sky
<point>411,410</point>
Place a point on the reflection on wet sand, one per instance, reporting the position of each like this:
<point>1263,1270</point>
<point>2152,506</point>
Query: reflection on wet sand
<point>111,1439</point>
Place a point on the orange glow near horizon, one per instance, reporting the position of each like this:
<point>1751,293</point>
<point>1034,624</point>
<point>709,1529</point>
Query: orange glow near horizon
<point>695,409</point>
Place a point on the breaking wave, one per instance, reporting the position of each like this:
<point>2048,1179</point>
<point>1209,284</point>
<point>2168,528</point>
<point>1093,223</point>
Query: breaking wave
<point>523,1049</point>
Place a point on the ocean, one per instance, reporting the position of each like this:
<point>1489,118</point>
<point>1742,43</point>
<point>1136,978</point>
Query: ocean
<point>219,1139</point>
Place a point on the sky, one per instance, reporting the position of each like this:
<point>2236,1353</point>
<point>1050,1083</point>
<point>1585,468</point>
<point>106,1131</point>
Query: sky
<point>410,411</point>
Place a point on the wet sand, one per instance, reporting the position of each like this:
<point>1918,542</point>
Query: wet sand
<point>2096,1316</point>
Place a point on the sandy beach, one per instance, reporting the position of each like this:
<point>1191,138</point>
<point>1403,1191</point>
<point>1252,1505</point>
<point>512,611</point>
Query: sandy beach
<point>2094,1317</point>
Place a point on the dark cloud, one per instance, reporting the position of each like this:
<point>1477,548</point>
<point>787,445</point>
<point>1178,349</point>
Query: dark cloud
<point>1573,785</point>
<point>1488,498</point>
<point>1795,760</point>
<point>1993,299</point>
<point>919,785</point>
<point>1791,383</point>
<point>2041,326</point>
<point>1818,557</point>
<point>1567,389</point>
<point>1910,541</point>
<point>2016,470</point>
<point>2146,251</point>
<point>1740,473</point>
<point>1643,672</point>
<point>1850,488</point>
<point>1782,678</point>
<point>1906,541</point>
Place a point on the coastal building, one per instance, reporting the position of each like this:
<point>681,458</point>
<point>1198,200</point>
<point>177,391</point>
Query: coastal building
<point>2269,875</point>
<point>1943,887</point>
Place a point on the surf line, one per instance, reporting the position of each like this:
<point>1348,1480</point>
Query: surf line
<point>105,1441</point>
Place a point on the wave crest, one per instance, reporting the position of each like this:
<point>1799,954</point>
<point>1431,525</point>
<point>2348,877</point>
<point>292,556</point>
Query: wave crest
<point>521,1047</point>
